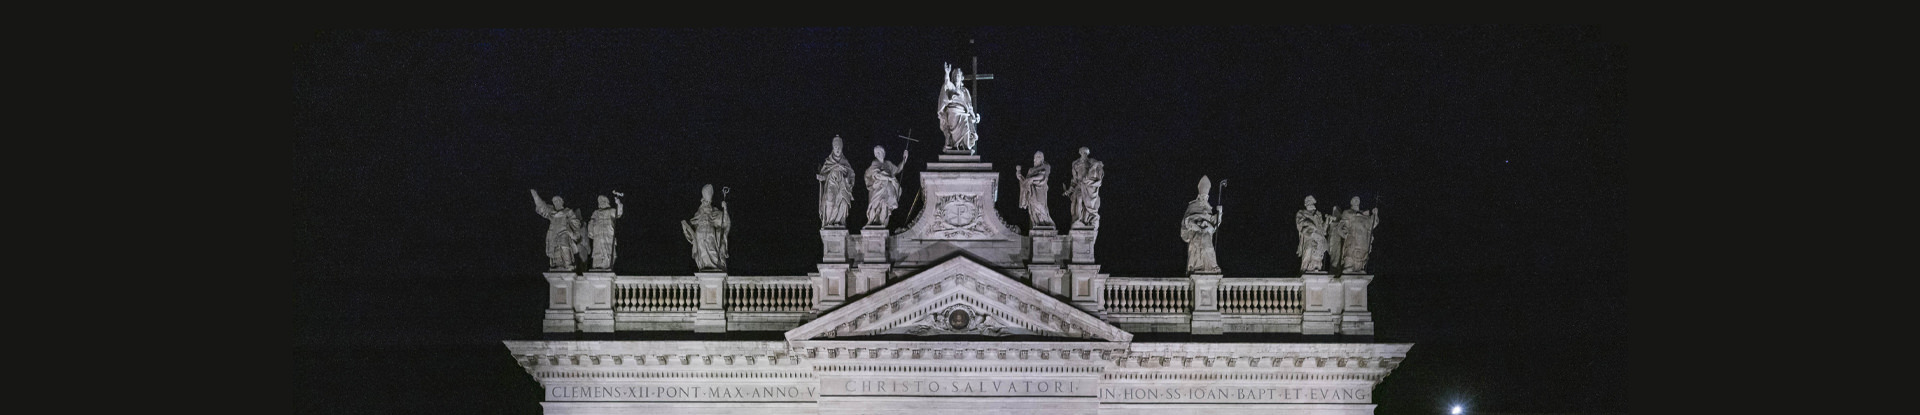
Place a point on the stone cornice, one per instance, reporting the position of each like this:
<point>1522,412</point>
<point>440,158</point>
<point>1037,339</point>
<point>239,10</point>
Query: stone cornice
<point>960,275</point>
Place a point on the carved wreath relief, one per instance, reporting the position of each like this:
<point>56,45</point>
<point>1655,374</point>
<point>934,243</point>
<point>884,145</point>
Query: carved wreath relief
<point>959,217</point>
<point>959,319</point>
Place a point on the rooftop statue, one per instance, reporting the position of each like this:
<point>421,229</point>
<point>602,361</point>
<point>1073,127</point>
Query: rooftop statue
<point>1312,227</point>
<point>1197,229</point>
<point>564,242</point>
<point>707,231</point>
<point>1359,226</point>
<point>1033,191</point>
<point>836,188</point>
<point>883,187</point>
<point>600,231</point>
<point>957,118</point>
<point>1084,190</point>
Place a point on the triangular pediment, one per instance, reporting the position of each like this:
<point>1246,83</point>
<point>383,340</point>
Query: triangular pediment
<point>959,296</point>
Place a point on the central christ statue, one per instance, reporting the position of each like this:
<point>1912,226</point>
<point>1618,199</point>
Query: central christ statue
<point>957,118</point>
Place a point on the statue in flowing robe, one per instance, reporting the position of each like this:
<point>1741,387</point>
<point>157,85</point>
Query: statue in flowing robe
<point>957,118</point>
<point>1198,228</point>
<point>564,242</point>
<point>883,187</point>
<point>1033,191</point>
<point>600,231</point>
<point>1084,191</point>
<point>836,188</point>
<point>707,231</point>
<point>1358,225</point>
<point>1312,227</point>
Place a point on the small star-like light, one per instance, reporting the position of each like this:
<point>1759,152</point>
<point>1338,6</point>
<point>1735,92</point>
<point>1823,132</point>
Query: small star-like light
<point>1456,410</point>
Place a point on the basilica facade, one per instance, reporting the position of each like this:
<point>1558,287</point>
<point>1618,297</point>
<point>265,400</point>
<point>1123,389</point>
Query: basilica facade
<point>958,312</point>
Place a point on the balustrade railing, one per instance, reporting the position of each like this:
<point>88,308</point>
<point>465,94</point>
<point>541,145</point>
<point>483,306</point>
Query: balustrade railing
<point>1260,296</point>
<point>1149,295</point>
<point>656,294</point>
<point>769,294</point>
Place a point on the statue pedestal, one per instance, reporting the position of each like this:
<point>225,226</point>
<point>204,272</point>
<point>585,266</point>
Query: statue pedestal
<point>1321,314</point>
<point>873,245</point>
<point>1048,278</point>
<point>1081,242</point>
<point>1085,285</point>
<point>593,300</point>
<point>1355,318</point>
<point>1206,304</point>
<point>560,315</point>
<point>868,277</point>
<point>711,317</point>
<point>1046,245</point>
<point>1043,264</point>
<point>833,245</point>
<point>831,287</point>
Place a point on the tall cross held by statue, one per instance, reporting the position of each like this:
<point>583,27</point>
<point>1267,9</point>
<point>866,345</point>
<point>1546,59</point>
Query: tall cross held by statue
<point>976,77</point>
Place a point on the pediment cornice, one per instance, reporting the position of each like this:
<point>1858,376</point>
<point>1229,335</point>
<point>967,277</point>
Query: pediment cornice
<point>959,296</point>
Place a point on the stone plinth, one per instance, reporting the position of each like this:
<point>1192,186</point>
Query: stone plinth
<point>1321,314</point>
<point>712,314</point>
<point>1084,286</point>
<point>831,286</point>
<point>833,245</point>
<point>1046,246</point>
<point>1355,318</point>
<point>593,300</point>
<point>868,277</point>
<point>958,162</point>
<point>560,313</point>
<point>1081,243</point>
<point>1048,278</point>
<point>958,214</point>
<point>1206,305</point>
<point>873,245</point>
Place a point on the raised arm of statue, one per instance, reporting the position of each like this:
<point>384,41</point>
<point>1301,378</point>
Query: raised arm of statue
<point>619,209</point>
<point>540,206</point>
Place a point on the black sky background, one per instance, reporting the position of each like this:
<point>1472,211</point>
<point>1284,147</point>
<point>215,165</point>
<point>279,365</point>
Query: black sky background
<point>1496,155</point>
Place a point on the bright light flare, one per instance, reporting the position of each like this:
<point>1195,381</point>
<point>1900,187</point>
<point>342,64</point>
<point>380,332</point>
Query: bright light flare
<point>1456,410</point>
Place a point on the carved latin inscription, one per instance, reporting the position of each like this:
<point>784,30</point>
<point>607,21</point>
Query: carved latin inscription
<point>1156,393</point>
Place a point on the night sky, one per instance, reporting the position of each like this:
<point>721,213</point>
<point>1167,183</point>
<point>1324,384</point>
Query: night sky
<point>1496,155</point>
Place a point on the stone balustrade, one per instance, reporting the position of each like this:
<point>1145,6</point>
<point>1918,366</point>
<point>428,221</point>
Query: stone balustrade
<point>1313,304</point>
<point>1149,295</point>
<point>769,294</point>
<point>1261,296</point>
<point>656,294</point>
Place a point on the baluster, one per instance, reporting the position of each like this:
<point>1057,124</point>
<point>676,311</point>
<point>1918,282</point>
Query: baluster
<point>1147,298</point>
<point>1160,299</point>
<point>1185,294</point>
<point>1259,303</point>
<point>1239,296</point>
<point>1166,299</point>
<point>646,297</point>
<point>1231,302</point>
